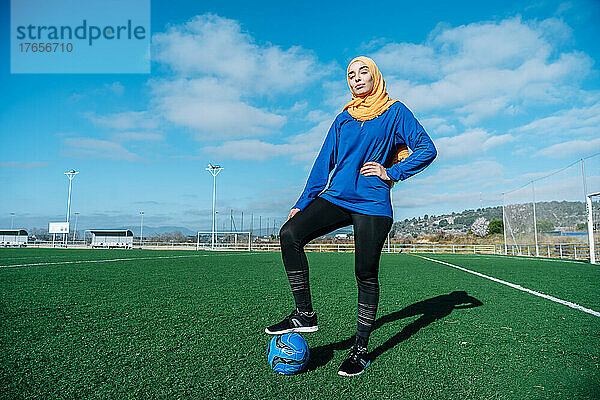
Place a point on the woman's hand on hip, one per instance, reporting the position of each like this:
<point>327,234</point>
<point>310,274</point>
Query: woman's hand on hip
<point>372,168</point>
<point>293,212</point>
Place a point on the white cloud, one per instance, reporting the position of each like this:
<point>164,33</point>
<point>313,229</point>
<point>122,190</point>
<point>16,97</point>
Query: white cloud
<point>95,148</point>
<point>485,69</point>
<point>116,88</point>
<point>480,109</point>
<point>475,173</point>
<point>316,116</point>
<point>408,59</point>
<point>504,45</point>
<point>209,45</point>
<point>437,126</point>
<point>224,80</point>
<point>416,199</point>
<point>107,90</point>
<point>570,149</point>
<point>473,141</point>
<point>302,148</point>
<point>250,149</point>
<point>137,136</point>
<point>214,109</point>
<point>129,120</point>
<point>578,121</point>
<point>299,106</point>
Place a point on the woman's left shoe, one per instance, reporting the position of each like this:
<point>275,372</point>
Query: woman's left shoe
<point>297,321</point>
<point>356,362</point>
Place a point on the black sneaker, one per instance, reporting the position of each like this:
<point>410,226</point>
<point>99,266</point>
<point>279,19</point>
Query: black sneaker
<point>297,321</point>
<point>356,362</point>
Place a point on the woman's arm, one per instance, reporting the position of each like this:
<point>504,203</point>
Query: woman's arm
<point>410,131</point>
<point>319,175</point>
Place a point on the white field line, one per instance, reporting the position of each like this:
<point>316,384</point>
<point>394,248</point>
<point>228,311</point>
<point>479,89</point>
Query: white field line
<point>116,259</point>
<point>518,287</point>
<point>525,258</point>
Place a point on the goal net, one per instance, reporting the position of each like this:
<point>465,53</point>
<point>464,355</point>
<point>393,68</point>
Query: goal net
<point>547,217</point>
<point>224,241</point>
<point>593,206</point>
<point>518,221</point>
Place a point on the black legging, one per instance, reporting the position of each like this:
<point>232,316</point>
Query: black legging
<point>317,219</point>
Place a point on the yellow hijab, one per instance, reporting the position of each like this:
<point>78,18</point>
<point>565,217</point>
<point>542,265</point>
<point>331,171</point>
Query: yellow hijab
<point>373,104</point>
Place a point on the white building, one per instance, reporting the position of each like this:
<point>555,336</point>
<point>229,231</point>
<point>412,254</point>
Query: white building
<point>13,237</point>
<point>117,238</point>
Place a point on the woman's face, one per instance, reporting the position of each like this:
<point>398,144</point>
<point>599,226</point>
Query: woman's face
<point>360,78</point>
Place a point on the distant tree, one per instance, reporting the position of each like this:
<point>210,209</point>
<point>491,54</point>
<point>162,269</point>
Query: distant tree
<point>543,225</point>
<point>581,227</point>
<point>480,227</point>
<point>443,223</point>
<point>496,226</point>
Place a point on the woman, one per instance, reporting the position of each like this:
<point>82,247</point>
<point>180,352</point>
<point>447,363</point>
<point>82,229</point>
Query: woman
<point>365,144</point>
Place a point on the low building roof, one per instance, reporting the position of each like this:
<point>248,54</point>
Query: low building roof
<point>111,232</point>
<point>16,232</point>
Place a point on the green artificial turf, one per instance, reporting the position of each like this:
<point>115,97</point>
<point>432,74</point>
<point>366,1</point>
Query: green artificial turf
<point>575,281</point>
<point>193,327</point>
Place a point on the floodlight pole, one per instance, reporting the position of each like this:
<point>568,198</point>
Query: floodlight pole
<point>75,230</point>
<point>216,216</point>
<point>214,171</point>
<point>588,201</point>
<point>588,205</point>
<point>12,216</point>
<point>537,249</point>
<point>71,174</point>
<point>142,230</point>
<point>504,225</point>
<point>584,180</point>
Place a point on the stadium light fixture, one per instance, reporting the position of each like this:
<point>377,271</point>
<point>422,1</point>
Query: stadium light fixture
<point>12,216</point>
<point>214,171</point>
<point>71,174</point>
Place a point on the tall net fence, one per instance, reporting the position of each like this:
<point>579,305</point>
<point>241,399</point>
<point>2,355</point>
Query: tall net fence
<point>594,216</point>
<point>518,219</point>
<point>224,240</point>
<point>549,215</point>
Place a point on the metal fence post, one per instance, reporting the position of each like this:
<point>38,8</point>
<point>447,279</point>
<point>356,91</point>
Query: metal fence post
<point>560,249</point>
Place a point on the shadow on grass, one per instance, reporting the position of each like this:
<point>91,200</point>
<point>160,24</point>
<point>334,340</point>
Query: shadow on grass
<point>430,310</point>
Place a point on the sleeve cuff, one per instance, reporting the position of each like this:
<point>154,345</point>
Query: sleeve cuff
<point>302,203</point>
<point>394,173</point>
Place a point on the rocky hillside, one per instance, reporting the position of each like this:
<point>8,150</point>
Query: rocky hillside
<point>555,215</point>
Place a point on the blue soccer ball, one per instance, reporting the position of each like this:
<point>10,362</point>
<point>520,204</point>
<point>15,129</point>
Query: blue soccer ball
<point>288,353</point>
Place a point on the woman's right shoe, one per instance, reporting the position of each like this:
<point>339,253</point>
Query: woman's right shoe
<point>356,362</point>
<point>297,321</point>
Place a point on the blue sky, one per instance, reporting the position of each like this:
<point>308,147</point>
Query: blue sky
<point>507,90</point>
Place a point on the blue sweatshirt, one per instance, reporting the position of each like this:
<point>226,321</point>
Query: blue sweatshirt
<point>351,143</point>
